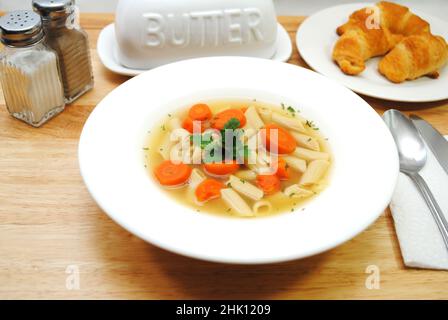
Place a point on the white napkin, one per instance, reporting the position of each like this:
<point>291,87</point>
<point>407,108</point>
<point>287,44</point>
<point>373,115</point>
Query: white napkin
<point>421,244</point>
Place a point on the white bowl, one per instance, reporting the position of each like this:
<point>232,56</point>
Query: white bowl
<point>150,33</point>
<point>112,165</point>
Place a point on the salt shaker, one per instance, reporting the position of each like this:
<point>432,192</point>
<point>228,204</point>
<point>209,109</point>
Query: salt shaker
<point>64,35</point>
<point>29,71</point>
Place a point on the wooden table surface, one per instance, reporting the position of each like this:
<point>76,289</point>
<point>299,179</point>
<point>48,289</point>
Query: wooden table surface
<point>52,232</point>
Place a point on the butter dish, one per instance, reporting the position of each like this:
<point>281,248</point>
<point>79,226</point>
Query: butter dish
<point>150,33</point>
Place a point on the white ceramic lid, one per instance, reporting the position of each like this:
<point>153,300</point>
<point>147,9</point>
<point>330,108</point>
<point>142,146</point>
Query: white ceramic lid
<point>150,33</point>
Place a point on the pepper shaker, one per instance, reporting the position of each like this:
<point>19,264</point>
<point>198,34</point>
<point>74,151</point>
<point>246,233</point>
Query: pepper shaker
<point>29,71</point>
<point>64,35</point>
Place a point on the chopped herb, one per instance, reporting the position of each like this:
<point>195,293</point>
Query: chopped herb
<point>229,185</point>
<point>228,210</point>
<point>254,100</point>
<point>292,194</point>
<point>311,125</point>
<point>163,127</point>
<point>291,109</point>
<point>145,148</point>
<point>309,139</point>
<point>292,209</point>
<point>232,124</point>
<point>283,105</point>
<point>146,166</point>
<point>160,149</point>
<point>242,181</point>
<point>169,114</point>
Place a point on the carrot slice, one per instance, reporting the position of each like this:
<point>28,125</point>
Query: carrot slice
<point>208,189</point>
<point>171,174</point>
<point>200,112</point>
<point>188,124</point>
<point>283,140</point>
<point>282,169</point>
<point>221,168</point>
<point>221,118</point>
<point>268,183</point>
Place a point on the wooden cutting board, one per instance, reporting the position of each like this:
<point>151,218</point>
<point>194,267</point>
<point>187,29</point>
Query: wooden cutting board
<point>52,233</point>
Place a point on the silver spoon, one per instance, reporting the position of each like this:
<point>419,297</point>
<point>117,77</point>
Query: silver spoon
<point>412,154</point>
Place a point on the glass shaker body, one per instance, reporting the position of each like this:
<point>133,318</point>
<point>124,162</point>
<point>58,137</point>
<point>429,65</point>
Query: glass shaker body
<point>71,44</point>
<point>30,77</point>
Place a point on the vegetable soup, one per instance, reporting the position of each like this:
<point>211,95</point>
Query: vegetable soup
<point>241,158</point>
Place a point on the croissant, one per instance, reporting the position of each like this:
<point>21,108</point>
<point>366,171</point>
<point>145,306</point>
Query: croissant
<point>361,39</point>
<point>413,57</point>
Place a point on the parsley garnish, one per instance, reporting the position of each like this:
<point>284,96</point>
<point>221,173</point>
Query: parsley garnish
<point>311,125</point>
<point>291,109</point>
<point>232,124</point>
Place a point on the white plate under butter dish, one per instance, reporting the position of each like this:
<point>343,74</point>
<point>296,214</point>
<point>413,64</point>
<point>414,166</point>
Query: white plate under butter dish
<point>107,49</point>
<point>316,37</point>
<point>112,162</point>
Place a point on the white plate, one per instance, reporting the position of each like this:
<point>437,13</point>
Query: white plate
<point>112,165</point>
<point>107,50</point>
<point>317,36</point>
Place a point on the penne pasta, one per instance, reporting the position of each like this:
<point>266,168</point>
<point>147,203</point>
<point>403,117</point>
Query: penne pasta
<point>249,132</point>
<point>259,164</point>
<point>235,202</point>
<point>295,163</point>
<point>264,158</point>
<point>253,119</point>
<point>288,122</point>
<point>245,188</point>
<point>196,177</point>
<point>306,141</point>
<point>196,156</point>
<point>262,205</point>
<point>316,169</point>
<point>265,114</point>
<point>246,174</point>
<point>181,152</point>
<point>310,155</point>
<point>296,191</point>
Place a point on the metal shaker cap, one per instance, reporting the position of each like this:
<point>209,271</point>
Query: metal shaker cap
<point>20,28</point>
<point>53,9</point>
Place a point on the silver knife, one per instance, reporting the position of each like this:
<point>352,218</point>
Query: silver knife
<point>437,142</point>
